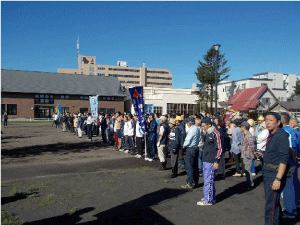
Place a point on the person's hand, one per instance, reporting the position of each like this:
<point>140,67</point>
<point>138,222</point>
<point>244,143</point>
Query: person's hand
<point>276,185</point>
<point>158,144</point>
<point>216,166</point>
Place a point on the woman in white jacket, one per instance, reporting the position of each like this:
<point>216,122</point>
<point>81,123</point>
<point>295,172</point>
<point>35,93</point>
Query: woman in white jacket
<point>262,138</point>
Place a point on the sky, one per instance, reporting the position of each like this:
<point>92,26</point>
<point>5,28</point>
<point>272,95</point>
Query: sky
<point>255,37</point>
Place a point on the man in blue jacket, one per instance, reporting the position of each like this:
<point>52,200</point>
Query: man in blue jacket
<point>151,138</point>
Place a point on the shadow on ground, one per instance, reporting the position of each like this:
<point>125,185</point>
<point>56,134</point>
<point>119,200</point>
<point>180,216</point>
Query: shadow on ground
<point>137,211</point>
<point>63,148</point>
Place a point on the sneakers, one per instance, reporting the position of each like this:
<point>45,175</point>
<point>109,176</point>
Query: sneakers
<point>121,150</point>
<point>150,160</point>
<point>237,175</point>
<point>126,151</point>
<point>204,203</point>
<point>254,174</point>
<point>138,156</point>
<point>187,186</point>
<point>146,159</point>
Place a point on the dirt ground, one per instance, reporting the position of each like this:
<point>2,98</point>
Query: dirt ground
<point>53,177</point>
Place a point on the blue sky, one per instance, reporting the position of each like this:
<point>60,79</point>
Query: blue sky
<point>254,36</point>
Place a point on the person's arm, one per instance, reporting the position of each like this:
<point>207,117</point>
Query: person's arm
<point>277,182</point>
<point>188,139</point>
<point>218,146</point>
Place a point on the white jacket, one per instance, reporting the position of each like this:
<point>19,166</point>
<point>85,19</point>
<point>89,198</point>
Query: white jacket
<point>262,139</point>
<point>138,130</point>
<point>128,128</point>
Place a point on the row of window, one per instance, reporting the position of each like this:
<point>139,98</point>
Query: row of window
<point>160,72</point>
<point>49,99</point>
<point>128,70</point>
<point>161,78</point>
<point>11,109</point>
<point>181,108</point>
<point>129,82</point>
<point>156,83</point>
<point>119,75</point>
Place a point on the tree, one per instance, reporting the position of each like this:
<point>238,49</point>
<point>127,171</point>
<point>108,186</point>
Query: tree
<point>297,88</point>
<point>206,75</point>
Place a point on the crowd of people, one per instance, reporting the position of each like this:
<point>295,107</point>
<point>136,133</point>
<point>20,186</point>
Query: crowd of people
<point>198,144</point>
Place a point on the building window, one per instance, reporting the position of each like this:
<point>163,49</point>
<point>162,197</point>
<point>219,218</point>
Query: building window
<point>65,109</point>
<point>108,98</point>
<point>83,110</point>
<point>101,68</point>
<point>158,109</point>
<point>43,99</point>
<point>160,72</point>
<point>84,97</point>
<point>264,84</point>
<point>244,86</point>
<point>64,96</point>
<point>91,73</point>
<point>101,74</point>
<point>91,68</point>
<point>11,109</point>
<point>2,109</point>
<point>156,83</point>
<point>181,108</point>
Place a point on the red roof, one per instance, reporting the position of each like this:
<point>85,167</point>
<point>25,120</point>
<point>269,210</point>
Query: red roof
<point>246,99</point>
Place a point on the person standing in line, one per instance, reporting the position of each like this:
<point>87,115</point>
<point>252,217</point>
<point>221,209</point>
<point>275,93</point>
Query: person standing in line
<point>230,127</point>
<point>261,140</point>
<point>79,125</point>
<point>211,158</point>
<point>127,127</point>
<point>139,135</point>
<point>5,119</point>
<point>274,168</point>
<point>56,119</point>
<point>291,190</point>
<point>252,131</point>
<point>225,141</point>
<point>191,144</point>
<point>75,122</point>
<point>173,146</point>
<point>131,133</point>
<point>89,123</point>
<point>162,142</point>
<point>258,128</point>
<point>181,127</point>
<point>201,145</point>
<point>247,153</point>
<point>103,126</point>
<point>151,138</point>
<point>237,139</point>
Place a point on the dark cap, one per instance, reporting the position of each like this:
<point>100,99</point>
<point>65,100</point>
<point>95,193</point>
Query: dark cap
<point>237,122</point>
<point>274,114</point>
<point>190,120</point>
<point>206,120</point>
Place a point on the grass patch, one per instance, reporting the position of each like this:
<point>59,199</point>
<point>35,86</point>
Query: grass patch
<point>39,187</point>
<point>63,159</point>
<point>8,218</point>
<point>164,181</point>
<point>142,168</point>
<point>109,181</point>
<point>196,190</point>
<point>74,195</point>
<point>74,209</point>
<point>17,194</point>
<point>33,195</point>
<point>46,201</point>
<point>118,174</point>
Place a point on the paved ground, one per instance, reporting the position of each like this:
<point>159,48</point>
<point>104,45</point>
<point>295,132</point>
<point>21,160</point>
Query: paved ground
<point>67,180</point>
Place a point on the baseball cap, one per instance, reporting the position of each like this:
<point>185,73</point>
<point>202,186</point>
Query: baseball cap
<point>178,118</point>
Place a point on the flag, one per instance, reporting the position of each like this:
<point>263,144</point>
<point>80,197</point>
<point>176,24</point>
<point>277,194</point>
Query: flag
<point>59,109</point>
<point>149,108</point>
<point>94,107</point>
<point>137,98</point>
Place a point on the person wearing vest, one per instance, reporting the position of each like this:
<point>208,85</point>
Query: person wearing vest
<point>162,142</point>
<point>181,126</point>
<point>173,146</point>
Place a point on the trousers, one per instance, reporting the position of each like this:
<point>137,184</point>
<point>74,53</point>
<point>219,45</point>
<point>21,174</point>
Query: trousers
<point>209,189</point>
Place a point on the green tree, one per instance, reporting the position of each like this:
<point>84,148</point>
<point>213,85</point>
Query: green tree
<point>206,75</point>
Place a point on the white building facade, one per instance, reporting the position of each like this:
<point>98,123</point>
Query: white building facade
<point>170,100</point>
<point>282,85</point>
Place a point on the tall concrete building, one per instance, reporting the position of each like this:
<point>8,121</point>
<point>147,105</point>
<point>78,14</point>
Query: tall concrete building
<point>128,76</point>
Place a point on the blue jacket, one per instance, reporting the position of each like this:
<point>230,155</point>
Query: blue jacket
<point>182,134</point>
<point>164,139</point>
<point>212,146</point>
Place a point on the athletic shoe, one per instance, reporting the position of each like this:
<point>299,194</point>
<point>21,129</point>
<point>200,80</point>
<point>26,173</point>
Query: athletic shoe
<point>187,186</point>
<point>121,150</point>
<point>146,159</point>
<point>126,151</point>
<point>237,175</point>
<point>254,174</point>
<point>150,160</point>
<point>138,156</point>
<point>204,203</point>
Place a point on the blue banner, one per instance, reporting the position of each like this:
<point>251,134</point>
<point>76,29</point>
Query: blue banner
<point>137,98</point>
<point>149,108</point>
<point>59,109</point>
<point>94,107</point>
